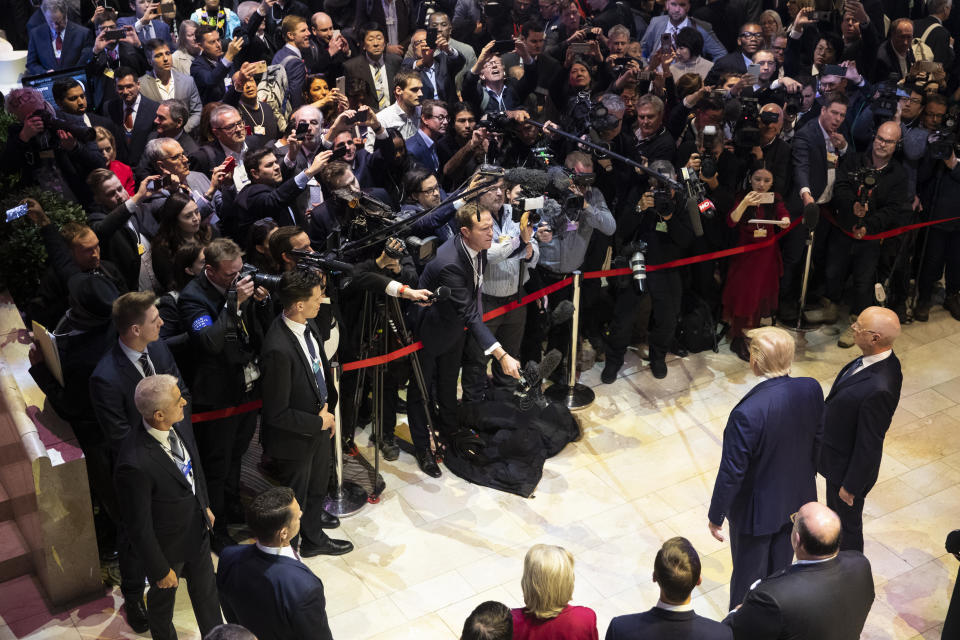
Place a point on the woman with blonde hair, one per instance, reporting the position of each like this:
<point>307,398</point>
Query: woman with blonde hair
<point>547,586</point>
<point>108,147</point>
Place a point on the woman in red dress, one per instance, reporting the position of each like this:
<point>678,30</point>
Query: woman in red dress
<point>753,278</point>
<point>547,585</point>
<point>108,147</point>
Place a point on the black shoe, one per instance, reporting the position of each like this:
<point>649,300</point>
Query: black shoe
<point>389,449</point>
<point>220,540</point>
<point>327,547</point>
<point>658,368</point>
<point>739,347</point>
<point>952,304</point>
<point>610,369</point>
<point>921,312</point>
<point>428,464</point>
<point>328,520</point>
<point>136,615</point>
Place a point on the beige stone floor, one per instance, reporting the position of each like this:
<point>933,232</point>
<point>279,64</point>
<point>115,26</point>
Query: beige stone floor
<point>643,472</point>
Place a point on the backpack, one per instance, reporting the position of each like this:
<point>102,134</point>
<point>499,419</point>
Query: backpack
<point>273,89</point>
<point>697,329</point>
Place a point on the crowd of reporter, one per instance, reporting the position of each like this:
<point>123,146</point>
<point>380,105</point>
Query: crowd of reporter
<point>220,148</point>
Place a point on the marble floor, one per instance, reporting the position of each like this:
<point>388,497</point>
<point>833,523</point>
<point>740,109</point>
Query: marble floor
<point>431,550</point>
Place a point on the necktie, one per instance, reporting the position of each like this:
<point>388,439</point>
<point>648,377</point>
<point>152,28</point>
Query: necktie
<point>128,118</point>
<point>852,369</point>
<point>381,94</point>
<point>59,43</point>
<point>175,447</point>
<point>113,55</point>
<point>315,363</point>
<point>145,365</point>
<point>479,272</point>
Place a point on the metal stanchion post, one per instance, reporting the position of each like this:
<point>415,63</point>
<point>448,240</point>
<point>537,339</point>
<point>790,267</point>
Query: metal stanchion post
<point>803,286</point>
<point>349,497</point>
<point>573,395</point>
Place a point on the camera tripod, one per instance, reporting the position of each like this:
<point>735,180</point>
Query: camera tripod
<point>382,323</point>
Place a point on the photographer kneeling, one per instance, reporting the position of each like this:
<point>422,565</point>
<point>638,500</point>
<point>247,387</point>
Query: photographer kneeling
<point>661,231</point>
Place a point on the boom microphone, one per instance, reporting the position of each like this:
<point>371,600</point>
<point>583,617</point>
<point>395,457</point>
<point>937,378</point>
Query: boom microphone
<point>550,362</point>
<point>561,313</point>
<point>535,179</point>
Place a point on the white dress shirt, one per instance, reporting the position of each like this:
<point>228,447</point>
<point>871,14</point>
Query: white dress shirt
<point>286,551</point>
<point>874,359</point>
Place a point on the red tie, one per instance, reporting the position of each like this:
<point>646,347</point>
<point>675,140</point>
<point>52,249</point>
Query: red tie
<point>128,118</point>
<point>59,42</point>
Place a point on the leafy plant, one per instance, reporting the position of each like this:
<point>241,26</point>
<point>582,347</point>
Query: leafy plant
<point>22,254</point>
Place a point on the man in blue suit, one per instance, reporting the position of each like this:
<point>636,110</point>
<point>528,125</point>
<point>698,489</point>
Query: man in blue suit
<point>147,23</point>
<point>57,44</point>
<point>211,67</point>
<point>769,465</point>
<point>458,265</point>
<point>675,19</point>
<point>676,570</point>
<point>858,412</point>
<point>264,586</point>
<point>296,35</point>
<point>422,146</point>
<point>438,66</point>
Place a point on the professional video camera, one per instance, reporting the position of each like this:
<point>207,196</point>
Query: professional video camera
<point>268,281</point>
<point>866,179</point>
<point>495,122</point>
<point>746,130</point>
<point>586,115</point>
<point>884,103</point>
<point>53,123</point>
<point>529,391</point>
<point>697,192</point>
<point>943,142</point>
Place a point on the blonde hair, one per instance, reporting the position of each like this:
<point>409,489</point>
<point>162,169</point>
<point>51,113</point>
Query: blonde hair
<point>547,581</point>
<point>772,349</point>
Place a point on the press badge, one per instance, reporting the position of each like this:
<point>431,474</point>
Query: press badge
<point>108,73</point>
<point>661,227</point>
<point>572,226</point>
<point>831,160</point>
<point>141,249</point>
<point>760,233</point>
<point>259,130</point>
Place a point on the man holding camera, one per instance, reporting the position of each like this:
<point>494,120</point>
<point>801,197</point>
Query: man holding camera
<point>658,232</point>
<point>870,196</point>
<point>222,309</point>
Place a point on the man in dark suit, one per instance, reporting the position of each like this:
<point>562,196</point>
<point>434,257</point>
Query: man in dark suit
<point>769,464</point>
<point>335,214</point>
<point>397,37</point>
<point>749,41</point>
<point>375,66</point>
<point>225,317</point>
<point>71,99</point>
<point>147,21</point>
<point>676,570</point>
<point>422,146</point>
<point>328,51</point>
<point>296,35</point>
<point>58,44</point>
<point>268,194</point>
<point>230,139</point>
<point>438,66</point>
<point>163,496</point>
<point>931,32</point>
<point>132,112</point>
<point>138,353</point>
<point>110,55</point>
<point>826,593</point>
<point>212,66</point>
<point>458,265</point>
<point>858,412</point>
<point>297,401</point>
<point>264,586</point>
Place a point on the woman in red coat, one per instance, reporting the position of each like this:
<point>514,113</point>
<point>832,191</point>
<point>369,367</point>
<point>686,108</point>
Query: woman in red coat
<point>547,585</point>
<point>753,278</point>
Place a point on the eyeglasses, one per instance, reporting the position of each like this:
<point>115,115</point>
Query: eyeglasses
<point>912,100</point>
<point>440,117</point>
<point>858,329</point>
<point>230,127</point>
<point>752,35</point>
<point>885,142</point>
<point>434,189</point>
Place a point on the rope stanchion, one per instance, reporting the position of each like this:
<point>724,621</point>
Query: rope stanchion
<point>883,235</point>
<point>246,407</point>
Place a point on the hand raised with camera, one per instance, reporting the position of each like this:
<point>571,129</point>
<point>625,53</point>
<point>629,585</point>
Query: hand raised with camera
<point>35,212</point>
<point>753,199</point>
<point>544,235</point>
<point>318,162</point>
<point>646,201</point>
<point>244,288</point>
<point>694,162</point>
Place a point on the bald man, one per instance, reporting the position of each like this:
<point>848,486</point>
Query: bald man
<point>858,412</point>
<point>329,49</point>
<point>768,468</point>
<point>825,595</point>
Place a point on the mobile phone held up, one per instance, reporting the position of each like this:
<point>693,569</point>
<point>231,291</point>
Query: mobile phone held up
<point>501,47</point>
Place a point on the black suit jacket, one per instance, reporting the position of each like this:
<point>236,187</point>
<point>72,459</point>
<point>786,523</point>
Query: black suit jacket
<point>273,596</point>
<point>208,156</point>
<point>856,418</point>
<point>209,77</point>
<point>824,601</point>
<point>810,161</point>
<point>134,145</point>
<point>102,86</point>
<point>291,398</point>
<point>660,624</point>
<point>76,51</point>
<point>258,201</point>
<point>165,519</point>
<point>731,63</point>
<point>445,69</point>
<point>113,383</point>
<point>359,67</point>
<point>441,324</point>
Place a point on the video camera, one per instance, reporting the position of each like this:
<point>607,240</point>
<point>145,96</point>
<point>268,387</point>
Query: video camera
<point>53,123</point>
<point>884,104</point>
<point>943,142</point>
<point>586,115</point>
<point>866,179</point>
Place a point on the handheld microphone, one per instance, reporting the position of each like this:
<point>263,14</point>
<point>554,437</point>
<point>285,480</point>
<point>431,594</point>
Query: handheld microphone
<point>811,215</point>
<point>693,210</point>
<point>442,293</point>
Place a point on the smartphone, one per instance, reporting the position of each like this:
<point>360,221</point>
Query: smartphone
<point>432,37</point>
<point>359,118</point>
<point>17,212</point>
<point>342,85</point>
<point>260,66</point>
<point>666,41</point>
<point>168,8</point>
<point>339,153</point>
<point>820,15</point>
<point>767,197</point>
<point>579,48</point>
<point>753,71</point>
<point>504,46</point>
<point>230,164</point>
<point>162,183</point>
<point>114,34</point>
<point>302,127</point>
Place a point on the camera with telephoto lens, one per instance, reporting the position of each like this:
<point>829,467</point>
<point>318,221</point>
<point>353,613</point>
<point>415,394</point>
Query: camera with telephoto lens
<point>530,203</point>
<point>638,264</point>
<point>268,281</point>
<point>53,123</point>
<point>746,131</point>
<point>708,161</point>
<point>495,122</point>
<point>942,143</point>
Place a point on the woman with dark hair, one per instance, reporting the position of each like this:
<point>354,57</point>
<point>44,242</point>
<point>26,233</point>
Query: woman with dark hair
<point>317,93</point>
<point>566,88</point>
<point>461,149</point>
<point>188,263</point>
<point>753,279</point>
<point>688,58</point>
<point>180,223</point>
<point>258,245</point>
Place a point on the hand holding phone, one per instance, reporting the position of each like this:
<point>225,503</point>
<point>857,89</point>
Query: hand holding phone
<point>230,164</point>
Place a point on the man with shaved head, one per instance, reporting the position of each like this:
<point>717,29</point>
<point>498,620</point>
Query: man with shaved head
<point>329,48</point>
<point>825,594</point>
<point>857,415</point>
<point>768,468</point>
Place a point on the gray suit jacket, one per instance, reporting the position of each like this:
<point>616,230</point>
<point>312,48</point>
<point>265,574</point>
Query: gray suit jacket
<point>184,89</point>
<point>651,37</point>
